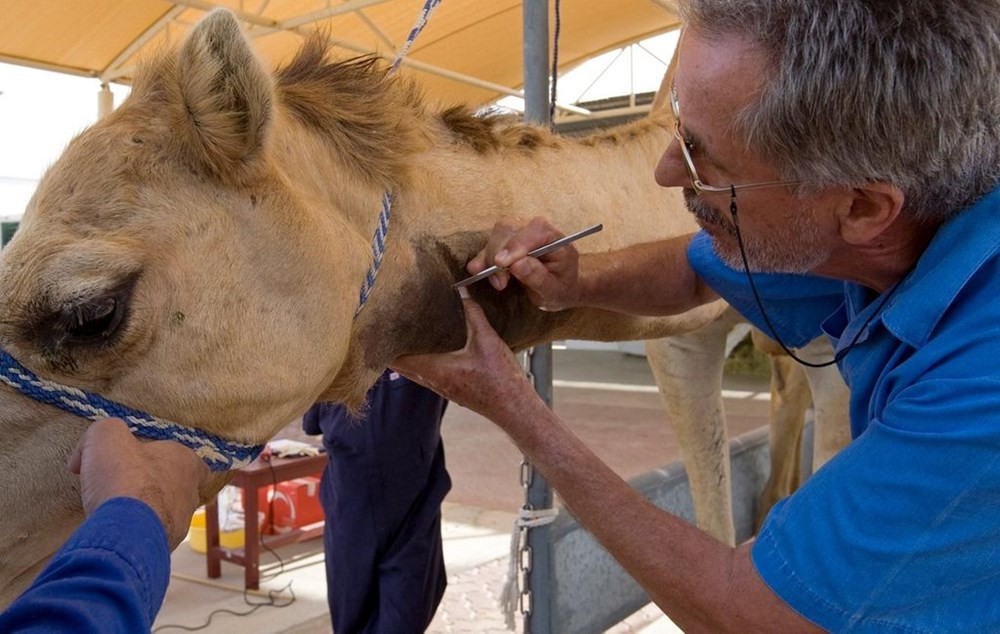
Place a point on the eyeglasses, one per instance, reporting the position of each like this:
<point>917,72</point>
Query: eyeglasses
<point>696,182</point>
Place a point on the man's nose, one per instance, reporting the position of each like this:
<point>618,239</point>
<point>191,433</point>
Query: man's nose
<point>670,170</point>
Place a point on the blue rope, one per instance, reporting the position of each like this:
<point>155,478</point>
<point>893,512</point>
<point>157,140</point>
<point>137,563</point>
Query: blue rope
<point>378,250</point>
<point>555,65</point>
<point>378,240</point>
<point>418,26</point>
<point>218,453</point>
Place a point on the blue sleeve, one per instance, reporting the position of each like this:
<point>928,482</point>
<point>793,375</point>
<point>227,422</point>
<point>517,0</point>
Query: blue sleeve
<point>111,576</point>
<point>796,304</point>
<point>310,420</point>
<point>899,531</point>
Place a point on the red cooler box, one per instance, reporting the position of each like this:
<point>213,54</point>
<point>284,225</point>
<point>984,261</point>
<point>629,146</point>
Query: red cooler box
<point>295,504</point>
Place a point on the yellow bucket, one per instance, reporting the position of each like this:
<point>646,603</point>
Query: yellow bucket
<point>198,541</point>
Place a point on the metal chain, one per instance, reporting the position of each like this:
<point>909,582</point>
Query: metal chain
<point>524,550</point>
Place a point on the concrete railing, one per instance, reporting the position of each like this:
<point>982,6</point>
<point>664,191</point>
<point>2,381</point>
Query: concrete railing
<point>591,592</point>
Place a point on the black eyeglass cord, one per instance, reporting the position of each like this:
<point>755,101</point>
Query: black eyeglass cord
<point>767,320</point>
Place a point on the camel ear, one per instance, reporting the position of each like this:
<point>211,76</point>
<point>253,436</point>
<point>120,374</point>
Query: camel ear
<point>226,96</point>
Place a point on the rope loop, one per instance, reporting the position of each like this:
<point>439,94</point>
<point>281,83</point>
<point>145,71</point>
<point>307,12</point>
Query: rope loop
<point>218,453</point>
<point>378,240</point>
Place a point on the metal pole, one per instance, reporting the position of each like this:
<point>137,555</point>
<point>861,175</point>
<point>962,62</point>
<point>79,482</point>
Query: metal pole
<point>539,577</point>
<point>105,101</point>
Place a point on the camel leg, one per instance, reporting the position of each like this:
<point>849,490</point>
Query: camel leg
<point>688,372</point>
<point>793,388</point>
<point>790,398</point>
<point>831,398</point>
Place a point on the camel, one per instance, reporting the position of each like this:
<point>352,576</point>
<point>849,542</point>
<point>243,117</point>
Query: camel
<point>199,252</point>
<point>792,385</point>
<point>688,368</point>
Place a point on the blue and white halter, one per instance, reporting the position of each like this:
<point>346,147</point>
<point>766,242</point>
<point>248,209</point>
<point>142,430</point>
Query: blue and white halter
<point>382,229</point>
<point>218,453</point>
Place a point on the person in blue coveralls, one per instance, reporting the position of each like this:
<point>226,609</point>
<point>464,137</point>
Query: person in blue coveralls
<point>381,493</point>
<point>112,574</point>
<point>843,162</point>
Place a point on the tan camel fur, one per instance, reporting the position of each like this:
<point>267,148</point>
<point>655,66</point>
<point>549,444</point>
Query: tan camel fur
<point>198,253</point>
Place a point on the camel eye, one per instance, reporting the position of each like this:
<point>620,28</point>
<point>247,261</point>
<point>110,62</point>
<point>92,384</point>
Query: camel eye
<point>93,321</point>
<point>96,321</point>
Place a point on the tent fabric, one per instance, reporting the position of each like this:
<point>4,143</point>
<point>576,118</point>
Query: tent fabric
<point>469,51</point>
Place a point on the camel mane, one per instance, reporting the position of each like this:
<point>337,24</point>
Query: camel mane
<point>371,113</point>
<point>376,121</point>
<point>373,119</point>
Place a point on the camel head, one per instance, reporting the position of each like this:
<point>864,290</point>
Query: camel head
<point>168,262</point>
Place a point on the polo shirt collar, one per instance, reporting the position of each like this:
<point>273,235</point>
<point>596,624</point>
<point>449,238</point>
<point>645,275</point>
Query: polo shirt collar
<point>960,248</point>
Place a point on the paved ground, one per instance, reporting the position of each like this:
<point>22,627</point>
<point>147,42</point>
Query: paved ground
<point>622,421</point>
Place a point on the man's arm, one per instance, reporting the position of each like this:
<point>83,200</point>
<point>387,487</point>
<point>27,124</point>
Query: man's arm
<point>111,576</point>
<point>654,278</point>
<point>702,584</point>
<point>645,279</point>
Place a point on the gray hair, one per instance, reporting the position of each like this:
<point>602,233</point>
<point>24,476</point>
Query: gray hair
<point>901,91</point>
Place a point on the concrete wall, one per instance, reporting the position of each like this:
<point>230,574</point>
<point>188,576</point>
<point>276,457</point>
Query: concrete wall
<point>591,592</point>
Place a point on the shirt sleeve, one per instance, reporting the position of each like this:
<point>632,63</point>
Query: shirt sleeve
<point>796,305</point>
<point>310,421</point>
<point>899,531</point>
<point>111,576</point>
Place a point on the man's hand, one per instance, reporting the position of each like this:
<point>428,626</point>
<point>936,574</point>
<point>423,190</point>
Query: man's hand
<point>164,474</point>
<point>551,281</point>
<point>484,376</point>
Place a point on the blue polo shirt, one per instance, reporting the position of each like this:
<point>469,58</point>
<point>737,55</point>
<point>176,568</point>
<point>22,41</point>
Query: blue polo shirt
<point>900,532</point>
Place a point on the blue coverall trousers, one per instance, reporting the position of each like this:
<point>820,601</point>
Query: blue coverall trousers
<point>381,492</point>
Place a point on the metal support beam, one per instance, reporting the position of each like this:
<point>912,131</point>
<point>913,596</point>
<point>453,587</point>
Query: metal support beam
<point>539,580</point>
<point>55,68</point>
<point>141,41</point>
<point>288,25</point>
<point>297,25</point>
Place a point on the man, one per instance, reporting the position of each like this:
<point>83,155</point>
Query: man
<point>112,574</point>
<point>382,491</point>
<point>855,145</point>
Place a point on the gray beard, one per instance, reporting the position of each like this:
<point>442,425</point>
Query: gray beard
<point>794,249</point>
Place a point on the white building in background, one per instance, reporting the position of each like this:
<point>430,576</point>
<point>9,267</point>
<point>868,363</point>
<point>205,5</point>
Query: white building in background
<point>40,112</point>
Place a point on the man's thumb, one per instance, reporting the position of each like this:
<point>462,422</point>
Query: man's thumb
<point>475,318</point>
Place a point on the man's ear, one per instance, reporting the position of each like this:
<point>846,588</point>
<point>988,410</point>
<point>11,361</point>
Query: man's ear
<point>874,207</point>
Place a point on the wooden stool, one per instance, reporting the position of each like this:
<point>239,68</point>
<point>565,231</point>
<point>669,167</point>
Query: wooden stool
<point>258,475</point>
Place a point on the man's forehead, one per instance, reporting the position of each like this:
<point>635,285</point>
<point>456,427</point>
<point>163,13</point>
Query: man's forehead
<point>716,67</point>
